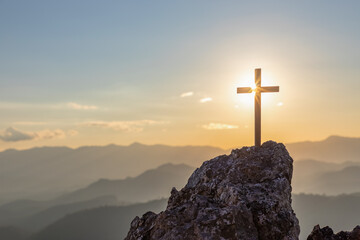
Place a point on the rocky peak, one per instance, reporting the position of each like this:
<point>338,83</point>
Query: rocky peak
<point>244,195</point>
<point>326,233</point>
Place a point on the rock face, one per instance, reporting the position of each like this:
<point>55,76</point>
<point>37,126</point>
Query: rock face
<point>327,233</point>
<point>245,195</point>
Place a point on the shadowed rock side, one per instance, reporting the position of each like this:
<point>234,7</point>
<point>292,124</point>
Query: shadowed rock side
<point>327,233</point>
<point>245,195</point>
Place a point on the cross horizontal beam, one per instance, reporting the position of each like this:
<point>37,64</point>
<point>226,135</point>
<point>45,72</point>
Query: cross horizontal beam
<point>259,89</point>
<point>269,89</point>
<point>244,90</point>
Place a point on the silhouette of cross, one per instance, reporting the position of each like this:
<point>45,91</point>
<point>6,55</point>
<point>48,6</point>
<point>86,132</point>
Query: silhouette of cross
<point>258,90</point>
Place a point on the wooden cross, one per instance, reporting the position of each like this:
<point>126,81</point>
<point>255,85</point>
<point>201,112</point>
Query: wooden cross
<point>258,90</point>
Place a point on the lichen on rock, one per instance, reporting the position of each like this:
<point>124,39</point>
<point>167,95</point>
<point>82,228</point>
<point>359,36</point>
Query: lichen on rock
<point>244,195</point>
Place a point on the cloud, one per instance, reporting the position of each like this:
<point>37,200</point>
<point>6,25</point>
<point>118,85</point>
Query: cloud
<point>219,126</point>
<point>77,106</point>
<point>50,134</point>
<point>187,94</point>
<point>207,99</point>
<point>14,135</point>
<point>127,126</point>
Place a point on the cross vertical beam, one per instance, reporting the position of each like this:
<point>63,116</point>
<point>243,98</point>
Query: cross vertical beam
<point>258,90</point>
<point>258,107</point>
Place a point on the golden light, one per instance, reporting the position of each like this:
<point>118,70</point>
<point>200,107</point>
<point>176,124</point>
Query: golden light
<point>253,88</point>
<point>244,101</point>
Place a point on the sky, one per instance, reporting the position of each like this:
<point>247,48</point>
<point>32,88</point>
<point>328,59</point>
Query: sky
<point>86,72</point>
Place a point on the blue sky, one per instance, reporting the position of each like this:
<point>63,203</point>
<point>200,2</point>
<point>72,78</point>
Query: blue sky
<point>66,63</point>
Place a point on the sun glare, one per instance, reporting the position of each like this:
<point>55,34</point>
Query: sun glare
<point>246,101</point>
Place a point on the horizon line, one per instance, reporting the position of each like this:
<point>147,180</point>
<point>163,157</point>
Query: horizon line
<point>168,145</point>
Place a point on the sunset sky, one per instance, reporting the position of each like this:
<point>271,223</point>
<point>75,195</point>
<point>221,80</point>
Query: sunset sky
<point>83,72</point>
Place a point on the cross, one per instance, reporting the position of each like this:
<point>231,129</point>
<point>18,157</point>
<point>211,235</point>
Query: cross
<point>258,90</point>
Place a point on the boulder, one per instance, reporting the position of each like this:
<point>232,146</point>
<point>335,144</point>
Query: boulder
<point>326,233</point>
<point>244,195</point>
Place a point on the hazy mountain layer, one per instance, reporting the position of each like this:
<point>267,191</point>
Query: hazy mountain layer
<point>339,212</point>
<point>310,209</point>
<point>33,215</point>
<point>113,223</point>
<point>105,223</point>
<point>12,233</point>
<point>41,219</point>
<point>50,171</point>
<point>333,149</point>
<point>43,173</point>
<point>311,176</point>
<point>150,185</point>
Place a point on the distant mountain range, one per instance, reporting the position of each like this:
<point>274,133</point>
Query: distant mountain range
<point>48,172</point>
<point>333,149</point>
<point>152,184</point>
<point>96,209</point>
<point>105,223</point>
<point>33,215</point>
<point>113,223</point>
<point>43,218</point>
<point>311,176</point>
<point>44,173</point>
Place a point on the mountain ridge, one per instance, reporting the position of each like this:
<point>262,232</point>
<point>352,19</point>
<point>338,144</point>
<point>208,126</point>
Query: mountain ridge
<point>330,138</point>
<point>40,173</point>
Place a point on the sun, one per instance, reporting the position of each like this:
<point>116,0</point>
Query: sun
<point>253,87</point>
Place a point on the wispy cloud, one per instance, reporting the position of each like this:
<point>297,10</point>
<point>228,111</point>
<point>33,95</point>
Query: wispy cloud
<point>219,126</point>
<point>77,106</point>
<point>127,126</point>
<point>187,94</point>
<point>50,134</point>
<point>15,135</point>
<point>207,99</point>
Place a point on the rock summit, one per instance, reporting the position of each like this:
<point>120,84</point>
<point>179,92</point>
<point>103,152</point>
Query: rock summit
<point>244,195</point>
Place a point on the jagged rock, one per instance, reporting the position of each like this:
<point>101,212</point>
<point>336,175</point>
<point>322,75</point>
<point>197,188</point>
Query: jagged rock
<point>245,195</point>
<point>326,233</point>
